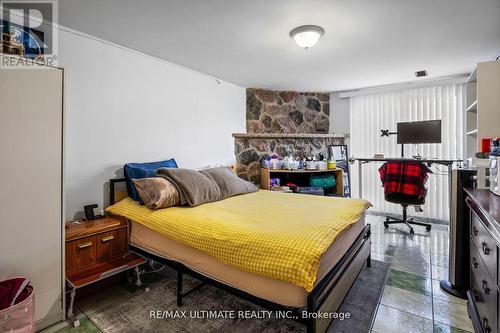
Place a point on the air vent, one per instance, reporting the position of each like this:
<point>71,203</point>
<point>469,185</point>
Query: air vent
<point>420,73</point>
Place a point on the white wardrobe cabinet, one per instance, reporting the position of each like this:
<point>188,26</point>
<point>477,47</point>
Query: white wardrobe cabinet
<point>31,184</point>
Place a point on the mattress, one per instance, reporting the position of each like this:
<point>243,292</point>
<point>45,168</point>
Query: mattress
<point>267,233</point>
<point>277,291</point>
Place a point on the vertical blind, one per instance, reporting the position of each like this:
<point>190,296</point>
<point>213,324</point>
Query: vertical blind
<point>373,112</point>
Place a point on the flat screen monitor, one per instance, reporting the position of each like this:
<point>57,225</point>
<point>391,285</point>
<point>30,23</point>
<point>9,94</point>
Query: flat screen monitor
<point>428,131</point>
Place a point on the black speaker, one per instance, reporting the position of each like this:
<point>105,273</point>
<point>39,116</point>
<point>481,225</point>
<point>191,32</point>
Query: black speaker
<point>458,279</point>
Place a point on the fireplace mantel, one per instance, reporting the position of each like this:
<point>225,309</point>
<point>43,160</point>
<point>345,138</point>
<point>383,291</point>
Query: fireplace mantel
<point>286,136</point>
<point>250,148</point>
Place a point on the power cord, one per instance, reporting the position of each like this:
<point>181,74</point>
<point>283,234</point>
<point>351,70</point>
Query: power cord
<point>439,171</point>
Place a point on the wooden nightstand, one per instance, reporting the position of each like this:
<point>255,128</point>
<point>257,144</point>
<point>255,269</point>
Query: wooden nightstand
<point>96,250</point>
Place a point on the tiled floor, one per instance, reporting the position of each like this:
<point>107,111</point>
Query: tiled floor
<point>411,302</point>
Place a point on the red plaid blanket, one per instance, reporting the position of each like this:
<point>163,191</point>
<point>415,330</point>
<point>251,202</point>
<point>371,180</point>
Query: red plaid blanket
<point>404,177</point>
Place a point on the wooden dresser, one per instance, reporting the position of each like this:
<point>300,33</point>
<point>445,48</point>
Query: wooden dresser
<point>483,295</point>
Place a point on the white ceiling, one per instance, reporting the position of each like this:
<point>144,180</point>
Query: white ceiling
<point>366,42</point>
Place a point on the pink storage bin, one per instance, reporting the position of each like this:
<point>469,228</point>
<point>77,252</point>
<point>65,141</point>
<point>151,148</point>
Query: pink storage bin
<point>19,318</point>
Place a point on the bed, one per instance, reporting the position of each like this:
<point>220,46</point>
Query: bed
<point>337,268</point>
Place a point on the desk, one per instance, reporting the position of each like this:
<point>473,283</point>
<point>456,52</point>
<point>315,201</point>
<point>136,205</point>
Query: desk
<point>429,161</point>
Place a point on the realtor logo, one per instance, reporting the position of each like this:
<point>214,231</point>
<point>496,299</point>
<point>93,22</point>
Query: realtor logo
<point>29,33</point>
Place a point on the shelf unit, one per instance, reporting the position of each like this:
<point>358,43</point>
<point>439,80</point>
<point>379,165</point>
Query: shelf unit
<point>482,110</point>
<point>267,174</point>
<point>472,107</point>
<point>482,114</point>
<point>472,132</point>
<point>471,117</point>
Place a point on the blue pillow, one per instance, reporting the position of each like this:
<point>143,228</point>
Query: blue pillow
<point>143,170</point>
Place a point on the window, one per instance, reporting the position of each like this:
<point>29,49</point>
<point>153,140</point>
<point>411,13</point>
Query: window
<point>373,112</point>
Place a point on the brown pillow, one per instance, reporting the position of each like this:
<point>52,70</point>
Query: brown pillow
<point>229,184</point>
<point>157,192</point>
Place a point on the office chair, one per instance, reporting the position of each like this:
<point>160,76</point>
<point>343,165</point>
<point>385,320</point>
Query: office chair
<point>403,183</point>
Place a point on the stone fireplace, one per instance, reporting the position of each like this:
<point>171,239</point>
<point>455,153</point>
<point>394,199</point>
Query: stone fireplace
<point>250,148</point>
<point>289,112</point>
<point>283,123</point>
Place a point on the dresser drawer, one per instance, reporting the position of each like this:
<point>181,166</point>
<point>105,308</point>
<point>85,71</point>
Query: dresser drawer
<point>485,246</point>
<point>111,244</point>
<point>484,291</point>
<point>80,253</point>
<point>485,304</point>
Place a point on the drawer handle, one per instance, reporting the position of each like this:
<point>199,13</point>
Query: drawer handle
<point>485,287</point>
<point>84,245</point>
<point>475,294</point>
<point>486,249</point>
<point>474,231</point>
<point>486,327</point>
<point>474,262</point>
<point>108,238</point>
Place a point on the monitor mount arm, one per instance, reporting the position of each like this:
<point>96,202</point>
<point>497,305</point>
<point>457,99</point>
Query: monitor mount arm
<point>387,133</point>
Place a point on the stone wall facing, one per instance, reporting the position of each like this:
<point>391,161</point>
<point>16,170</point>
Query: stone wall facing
<point>251,148</point>
<point>271,111</point>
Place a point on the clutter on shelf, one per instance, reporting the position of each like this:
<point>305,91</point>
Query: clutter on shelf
<point>275,162</point>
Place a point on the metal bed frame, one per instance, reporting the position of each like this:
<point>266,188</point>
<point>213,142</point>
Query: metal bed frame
<point>326,297</point>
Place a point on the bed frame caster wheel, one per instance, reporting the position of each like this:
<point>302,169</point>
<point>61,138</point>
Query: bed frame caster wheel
<point>428,228</point>
<point>386,225</point>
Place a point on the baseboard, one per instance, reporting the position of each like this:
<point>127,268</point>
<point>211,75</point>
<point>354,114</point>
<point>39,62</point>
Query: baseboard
<point>49,321</point>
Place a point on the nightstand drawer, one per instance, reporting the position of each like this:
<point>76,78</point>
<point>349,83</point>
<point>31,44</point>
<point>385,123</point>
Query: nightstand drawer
<point>111,244</point>
<point>80,253</point>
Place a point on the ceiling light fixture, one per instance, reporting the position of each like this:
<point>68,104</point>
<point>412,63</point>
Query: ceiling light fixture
<point>307,35</point>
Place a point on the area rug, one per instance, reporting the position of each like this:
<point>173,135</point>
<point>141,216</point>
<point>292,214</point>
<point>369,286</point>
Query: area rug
<point>156,310</point>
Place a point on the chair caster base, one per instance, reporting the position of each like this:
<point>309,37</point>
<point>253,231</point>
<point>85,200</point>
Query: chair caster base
<point>386,225</point>
<point>428,228</point>
<point>412,232</point>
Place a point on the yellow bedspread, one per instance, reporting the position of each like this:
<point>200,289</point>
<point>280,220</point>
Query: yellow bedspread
<point>278,235</point>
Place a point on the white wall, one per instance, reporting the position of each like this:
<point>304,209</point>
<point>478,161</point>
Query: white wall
<point>339,115</point>
<point>123,106</point>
